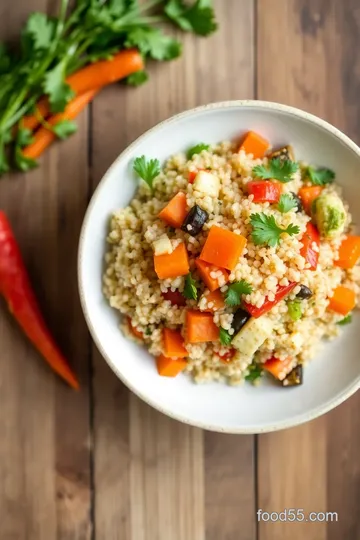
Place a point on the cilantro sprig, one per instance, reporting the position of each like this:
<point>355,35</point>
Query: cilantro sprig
<point>235,291</point>
<point>198,17</point>
<point>267,231</point>
<point>225,338</point>
<point>191,288</point>
<point>197,149</point>
<point>255,371</point>
<point>286,203</point>
<point>320,177</point>
<point>147,170</point>
<point>277,169</point>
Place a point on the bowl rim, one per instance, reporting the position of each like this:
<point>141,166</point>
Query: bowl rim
<point>289,110</point>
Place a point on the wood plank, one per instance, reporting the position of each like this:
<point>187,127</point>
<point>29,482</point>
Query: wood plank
<point>149,470</point>
<point>311,467</point>
<point>44,450</point>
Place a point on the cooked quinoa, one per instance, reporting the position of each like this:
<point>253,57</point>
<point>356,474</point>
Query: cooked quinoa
<point>132,286</point>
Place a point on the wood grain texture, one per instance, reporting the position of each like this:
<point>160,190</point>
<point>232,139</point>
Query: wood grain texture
<point>312,67</point>
<point>44,426</point>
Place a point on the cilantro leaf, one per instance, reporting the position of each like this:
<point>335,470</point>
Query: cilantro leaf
<point>267,231</point>
<point>40,29</point>
<point>59,92</point>
<point>320,177</point>
<point>345,320</point>
<point>295,309</point>
<point>137,79</point>
<point>254,372</point>
<point>277,170</point>
<point>286,203</point>
<point>235,291</point>
<point>197,149</point>
<point>64,129</point>
<point>23,163</point>
<point>24,137</point>
<point>147,170</point>
<point>224,336</point>
<point>5,60</point>
<point>190,290</point>
<point>198,18</point>
<point>154,43</point>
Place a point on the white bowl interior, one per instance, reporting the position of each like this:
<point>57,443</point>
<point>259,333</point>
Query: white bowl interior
<point>329,379</point>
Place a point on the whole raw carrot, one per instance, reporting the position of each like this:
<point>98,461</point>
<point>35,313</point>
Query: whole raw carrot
<point>15,287</point>
<point>43,137</point>
<point>93,76</point>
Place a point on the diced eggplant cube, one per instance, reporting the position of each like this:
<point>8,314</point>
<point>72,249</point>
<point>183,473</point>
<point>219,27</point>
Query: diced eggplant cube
<point>195,220</point>
<point>295,377</point>
<point>285,153</point>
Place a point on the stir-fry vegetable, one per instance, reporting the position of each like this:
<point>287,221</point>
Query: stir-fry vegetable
<point>205,270</point>
<point>254,144</point>
<point>173,265</point>
<point>278,368</point>
<point>311,246</point>
<point>170,367</point>
<point>282,292</point>
<point>195,220</point>
<point>200,327</point>
<point>252,335</point>
<point>343,300</point>
<point>241,317</point>
<point>173,344</point>
<point>207,183</point>
<point>349,252</point>
<point>215,301</point>
<point>174,212</point>
<point>162,245</point>
<point>175,297</point>
<point>264,191</point>
<point>295,309</point>
<point>308,194</point>
<point>305,293</point>
<point>135,332</point>
<point>284,153</point>
<point>223,248</point>
<point>295,377</point>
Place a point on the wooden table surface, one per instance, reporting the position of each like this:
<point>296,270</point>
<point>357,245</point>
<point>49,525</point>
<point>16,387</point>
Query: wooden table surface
<point>100,464</point>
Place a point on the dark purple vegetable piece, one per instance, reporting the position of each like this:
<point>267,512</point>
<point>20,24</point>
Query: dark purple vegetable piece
<point>195,220</point>
<point>305,293</point>
<point>295,377</point>
<point>240,318</point>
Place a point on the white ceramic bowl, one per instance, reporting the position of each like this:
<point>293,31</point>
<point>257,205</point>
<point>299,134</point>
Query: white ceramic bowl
<point>328,380</point>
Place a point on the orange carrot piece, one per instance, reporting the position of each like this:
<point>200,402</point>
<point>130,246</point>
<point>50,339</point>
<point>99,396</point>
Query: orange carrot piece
<point>308,194</point>
<point>223,248</point>
<point>216,299</point>
<point>255,144</point>
<point>174,212</point>
<point>44,137</point>
<point>349,252</point>
<point>169,367</point>
<point>172,265</point>
<point>205,270</point>
<point>278,368</point>
<point>134,330</point>
<point>93,76</point>
<point>200,327</point>
<point>174,344</point>
<point>343,300</point>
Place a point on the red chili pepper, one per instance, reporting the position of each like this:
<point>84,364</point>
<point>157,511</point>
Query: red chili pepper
<point>15,287</point>
<point>307,251</point>
<point>175,297</point>
<point>264,191</point>
<point>282,291</point>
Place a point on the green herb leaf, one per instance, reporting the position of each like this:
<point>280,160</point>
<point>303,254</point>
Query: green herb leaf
<point>24,137</point>
<point>295,309</point>
<point>59,92</point>
<point>198,18</point>
<point>267,231</point>
<point>64,129</point>
<point>286,203</point>
<point>137,79</point>
<point>345,320</point>
<point>148,331</point>
<point>320,177</point>
<point>236,291</point>
<point>190,289</point>
<point>197,149</point>
<point>225,338</point>
<point>254,372</point>
<point>5,59</point>
<point>40,29</point>
<point>154,43</point>
<point>277,169</point>
<point>147,170</point>
<point>23,163</point>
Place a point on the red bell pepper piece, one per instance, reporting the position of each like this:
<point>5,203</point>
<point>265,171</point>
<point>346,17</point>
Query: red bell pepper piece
<point>15,287</point>
<point>307,251</point>
<point>175,297</point>
<point>227,356</point>
<point>192,174</point>
<point>282,291</point>
<point>264,191</point>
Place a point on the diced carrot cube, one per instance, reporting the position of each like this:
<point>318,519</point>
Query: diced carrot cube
<point>308,194</point>
<point>255,144</point>
<point>349,252</point>
<point>200,327</point>
<point>169,367</point>
<point>174,344</point>
<point>175,212</point>
<point>223,248</point>
<point>278,368</point>
<point>173,264</point>
<point>343,300</point>
<point>134,330</point>
<point>205,269</point>
<point>215,301</point>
